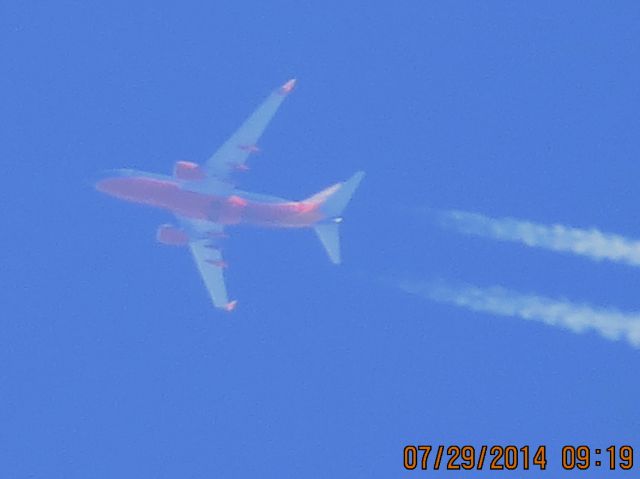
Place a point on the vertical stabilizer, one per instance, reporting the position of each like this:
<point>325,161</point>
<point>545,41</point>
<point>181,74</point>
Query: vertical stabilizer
<point>333,201</point>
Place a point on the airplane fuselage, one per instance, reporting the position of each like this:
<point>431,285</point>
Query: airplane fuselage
<point>231,209</point>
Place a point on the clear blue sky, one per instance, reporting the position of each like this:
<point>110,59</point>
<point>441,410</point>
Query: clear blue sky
<point>114,364</point>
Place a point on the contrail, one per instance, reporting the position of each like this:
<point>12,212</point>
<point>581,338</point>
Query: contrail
<point>585,242</point>
<point>608,322</point>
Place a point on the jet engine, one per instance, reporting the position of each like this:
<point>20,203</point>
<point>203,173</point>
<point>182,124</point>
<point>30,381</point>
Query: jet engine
<point>170,235</point>
<point>187,170</point>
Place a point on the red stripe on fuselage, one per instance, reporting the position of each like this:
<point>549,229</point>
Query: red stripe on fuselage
<point>159,193</point>
<point>220,209</point>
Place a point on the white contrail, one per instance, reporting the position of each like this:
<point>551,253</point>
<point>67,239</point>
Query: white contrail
<point>610,323</point>
<point>586,242</point>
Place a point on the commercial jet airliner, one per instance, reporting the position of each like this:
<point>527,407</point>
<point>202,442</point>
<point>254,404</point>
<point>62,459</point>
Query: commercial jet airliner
<point>205,200</point>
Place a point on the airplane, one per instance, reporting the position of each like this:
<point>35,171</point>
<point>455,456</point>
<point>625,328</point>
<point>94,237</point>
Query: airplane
<point>205,201</point>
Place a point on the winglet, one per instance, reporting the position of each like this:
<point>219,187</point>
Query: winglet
<point>287,87</point>
<point>231,305</point>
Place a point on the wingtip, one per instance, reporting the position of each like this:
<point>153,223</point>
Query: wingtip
<point>231,305</point>
<point>359,175</point>
<point>288,87</point>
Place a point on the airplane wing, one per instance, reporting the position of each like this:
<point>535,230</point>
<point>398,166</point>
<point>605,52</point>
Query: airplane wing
<point>211,266</point>
<point>233,154</point>
<point>205,249</point>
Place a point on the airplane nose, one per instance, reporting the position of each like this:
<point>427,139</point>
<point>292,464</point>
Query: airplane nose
<point>110,180</point>
<point>106,186</point>
<point>119,187</point>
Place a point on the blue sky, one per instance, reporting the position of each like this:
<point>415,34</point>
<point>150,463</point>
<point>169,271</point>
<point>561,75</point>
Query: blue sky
<point>113,361</point>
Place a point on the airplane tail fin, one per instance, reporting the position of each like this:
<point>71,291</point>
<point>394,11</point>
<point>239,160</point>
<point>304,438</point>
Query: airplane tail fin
<point>333,201</point>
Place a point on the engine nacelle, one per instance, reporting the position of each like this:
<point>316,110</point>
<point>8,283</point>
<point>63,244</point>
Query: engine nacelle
<point>187,170</point>
<point>172,236</point>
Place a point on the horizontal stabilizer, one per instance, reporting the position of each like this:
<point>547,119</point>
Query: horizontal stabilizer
<point>335,198</point>
<point>332,202</point>
<point>330,238</point>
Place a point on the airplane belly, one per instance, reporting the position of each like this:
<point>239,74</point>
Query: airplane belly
<point>158,193</point>
<point>280,215</point>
